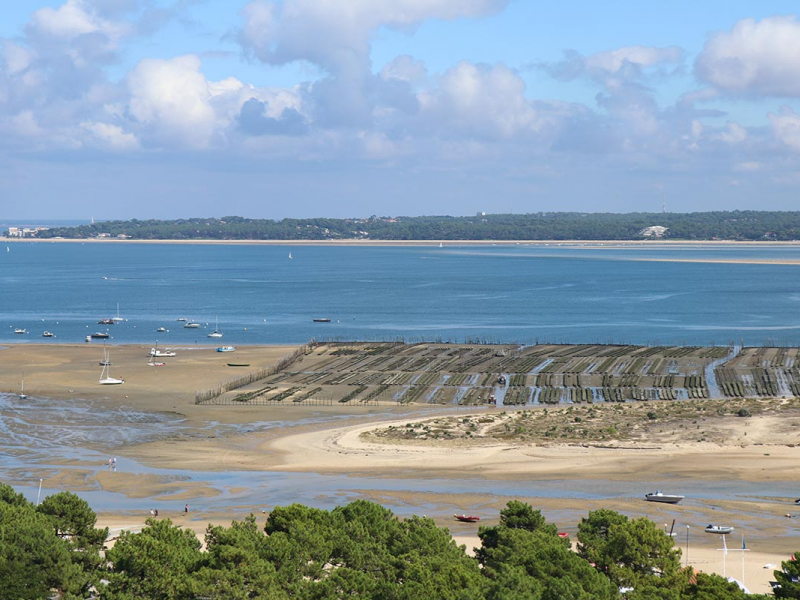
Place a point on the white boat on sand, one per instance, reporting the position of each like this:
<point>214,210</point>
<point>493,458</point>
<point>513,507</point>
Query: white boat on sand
<point>155,352</point>
<point>106,378</point>
<point>719,529</point>
<point>660,496</point>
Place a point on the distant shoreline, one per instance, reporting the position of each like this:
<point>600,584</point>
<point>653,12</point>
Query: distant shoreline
<point>445,243</point>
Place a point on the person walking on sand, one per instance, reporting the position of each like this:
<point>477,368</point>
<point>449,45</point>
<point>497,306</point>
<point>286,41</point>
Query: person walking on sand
<point>156,513</point>
<point>186,509</point>
<point>152,513</point>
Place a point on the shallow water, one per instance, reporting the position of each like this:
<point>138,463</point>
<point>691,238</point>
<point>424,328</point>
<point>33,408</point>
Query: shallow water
<point>85,434</point>
<point>505,294</point>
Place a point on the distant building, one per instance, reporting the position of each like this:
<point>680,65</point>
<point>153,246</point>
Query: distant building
<point>480,214</point>
<point>654,231</point>
<point>22,232</point>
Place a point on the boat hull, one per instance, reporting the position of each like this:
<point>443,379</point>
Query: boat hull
<point>664,498</point>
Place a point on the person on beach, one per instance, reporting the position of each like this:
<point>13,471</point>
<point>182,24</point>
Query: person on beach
<point>186,509</point>
<point>152,513</point>
<point>156,513</point>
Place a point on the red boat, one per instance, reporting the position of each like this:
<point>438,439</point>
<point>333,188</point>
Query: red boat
<point>467,519</point>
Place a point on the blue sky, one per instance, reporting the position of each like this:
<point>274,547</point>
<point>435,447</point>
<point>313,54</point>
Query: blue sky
<point>297,108</point>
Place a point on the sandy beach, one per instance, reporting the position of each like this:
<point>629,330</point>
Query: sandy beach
<point>337,441</point>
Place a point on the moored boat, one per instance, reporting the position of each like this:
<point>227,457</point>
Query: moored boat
<point>226,349</point>
<point>99,335</point>
<point>660,496</point>
<point>191,325</point>
<point>321,320</point>
<point>20,331</point>
<point>105,322</point>
<point>48,334</point>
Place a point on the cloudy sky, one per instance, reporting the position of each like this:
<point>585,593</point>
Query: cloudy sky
<point>298,108</point>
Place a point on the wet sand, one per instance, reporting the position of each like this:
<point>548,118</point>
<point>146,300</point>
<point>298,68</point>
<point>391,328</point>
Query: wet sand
<point>331,440</point>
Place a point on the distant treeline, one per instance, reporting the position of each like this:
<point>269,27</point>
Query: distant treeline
<point>733,225</point>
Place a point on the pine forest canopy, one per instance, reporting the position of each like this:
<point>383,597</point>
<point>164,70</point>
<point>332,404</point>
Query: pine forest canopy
<point>733,225</point>
<point>359,550</point>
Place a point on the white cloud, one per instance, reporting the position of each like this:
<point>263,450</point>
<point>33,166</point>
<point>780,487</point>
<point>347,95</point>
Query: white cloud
<point>732,134</point>
<point>334,34</point>
<point>111,136</point>
<point>785,126</point>
<point>480,100</point>
<point>404,68</point>
<point>641,56</point>
<point>755,57</point>
<point>172,97</point>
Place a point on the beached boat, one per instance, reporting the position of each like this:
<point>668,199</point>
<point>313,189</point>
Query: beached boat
<point>99,335</point>
<point>191,325</point>
<point>660,496</point>
<point>719,529</point>
<point>107,379</point>
<point>226,349</point>
<point>48,334</point>
<point>238,364</point>
<point>19,331</point>
<point>321,320</point>
<point>155,352</point>
<point>467,518</point>
<point>106,360</point>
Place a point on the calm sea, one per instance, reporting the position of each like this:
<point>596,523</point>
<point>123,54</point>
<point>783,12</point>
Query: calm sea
<point>498,294</point>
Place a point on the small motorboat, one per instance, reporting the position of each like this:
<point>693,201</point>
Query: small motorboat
<point>161,329</point>
<point>191,325</point>
<point>48,334</point>
<point>20,331</point>
<point>155,352</point>
<point>321,320</point>
<point>563,535</point>
<point>467,518</point>
<point>226,349</point>
<point>183,319</point>
<point>660,496</point>
<point>99,335</point>
<point>106,322</point>
<point>88,339</point>
<point>718,529</point>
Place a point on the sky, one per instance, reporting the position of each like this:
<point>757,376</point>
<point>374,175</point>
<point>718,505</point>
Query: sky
<point>118,109</point>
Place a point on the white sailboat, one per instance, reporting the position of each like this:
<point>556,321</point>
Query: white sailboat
<point>106,378</point>
<point>106,360</point>
<point>117,318</point>
<point>216,333</point>
<point>290,256</point>
<point>22,394</point>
